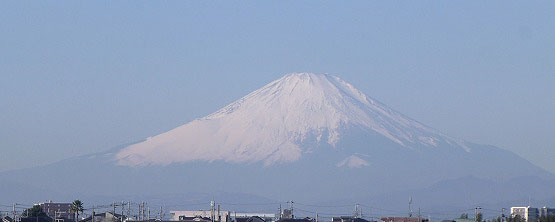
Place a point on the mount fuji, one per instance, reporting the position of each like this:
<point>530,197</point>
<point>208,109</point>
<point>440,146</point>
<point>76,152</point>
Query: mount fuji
<point>305,136</point>
<point>270,124</point>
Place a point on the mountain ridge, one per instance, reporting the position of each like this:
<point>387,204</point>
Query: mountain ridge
<point>268,125</point>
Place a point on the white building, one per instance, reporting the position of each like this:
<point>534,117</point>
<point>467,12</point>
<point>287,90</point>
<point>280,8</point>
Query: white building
<point>530,214</point>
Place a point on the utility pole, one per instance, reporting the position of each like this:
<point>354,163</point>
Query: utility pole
<point>92,217</point>
<point>476,213</point>
<point>128,209</point>
<point>219,216</point>
<point>529,200</point>
<point>212,210</point>
<point>410,207</point>
<point>122,209</point>
<point>139,212</point>
<point>13,211</point>
<point>144,209</point>
<point>292,214</point>
<point>280,211</point>
<point>356,214</point>
<point>148,213</point>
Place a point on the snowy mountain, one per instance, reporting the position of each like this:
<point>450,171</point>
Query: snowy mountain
<point>304,137</point>
<point>269,125</point>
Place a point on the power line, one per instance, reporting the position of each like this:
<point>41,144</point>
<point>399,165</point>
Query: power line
<point>253,204</point>
<point>327,206</point>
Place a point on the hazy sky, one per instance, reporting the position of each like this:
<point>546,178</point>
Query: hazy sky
<point>79,77</point>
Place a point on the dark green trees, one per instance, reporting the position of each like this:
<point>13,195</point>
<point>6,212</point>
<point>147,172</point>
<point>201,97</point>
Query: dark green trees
<point>76,207</point>
<point>34,211</point>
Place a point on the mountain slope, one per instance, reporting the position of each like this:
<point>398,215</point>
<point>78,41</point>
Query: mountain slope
<point>269,124</point>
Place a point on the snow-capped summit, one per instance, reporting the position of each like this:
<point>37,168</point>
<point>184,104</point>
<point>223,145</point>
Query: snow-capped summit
<point>270,123</point>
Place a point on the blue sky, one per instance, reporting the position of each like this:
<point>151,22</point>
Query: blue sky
<point>80,77</point>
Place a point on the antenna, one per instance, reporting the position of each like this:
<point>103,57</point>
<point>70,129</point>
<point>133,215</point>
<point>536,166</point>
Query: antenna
<point>410,207</point>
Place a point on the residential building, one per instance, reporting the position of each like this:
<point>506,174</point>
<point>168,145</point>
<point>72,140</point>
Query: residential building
<point>464,220</point>
<point>287,214</point>
<point>348,219</point>
<point>307,219</point>
<point>243,217</point>
<point>42,218</point>
<point>530,214</point>
<point>105,217</point>
<point>546,212</point>
<point>194,219</point>
<point>7,219</point>
<point>252,219</point>
<point>59,211</point>
<point>200,215</point>
<point>403,219</point>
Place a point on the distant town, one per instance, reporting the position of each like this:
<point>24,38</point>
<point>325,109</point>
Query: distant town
<point>140,212</point>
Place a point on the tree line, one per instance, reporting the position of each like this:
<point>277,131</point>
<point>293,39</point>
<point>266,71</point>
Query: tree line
<point>36,210</point>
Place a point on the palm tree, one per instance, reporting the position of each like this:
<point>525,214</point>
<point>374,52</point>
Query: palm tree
<point>76,207</point>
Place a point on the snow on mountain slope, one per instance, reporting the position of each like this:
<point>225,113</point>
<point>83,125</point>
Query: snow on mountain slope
<point>353,161</point>
<point>270,123</point>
